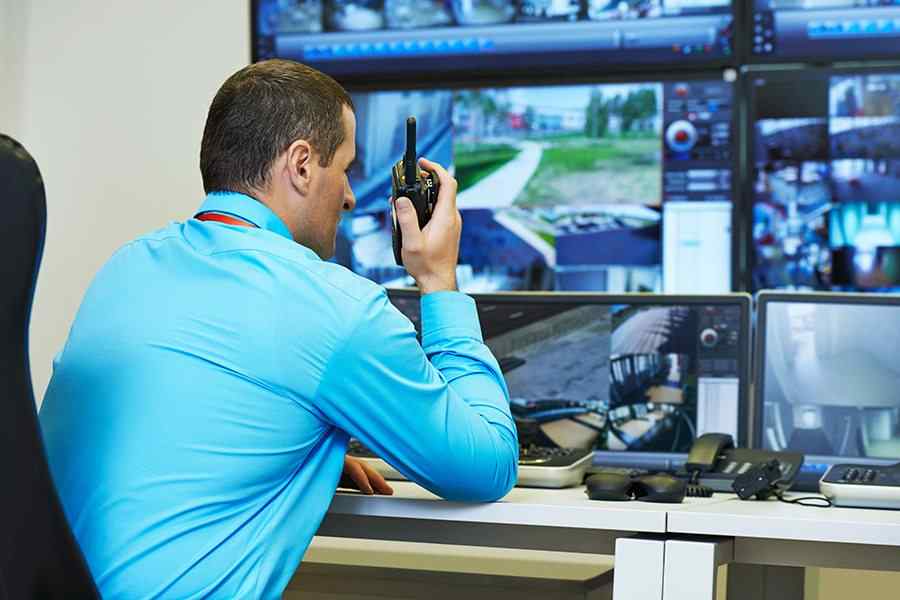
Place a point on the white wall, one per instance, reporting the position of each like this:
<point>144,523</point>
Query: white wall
<point>113,102</point>
<point>12,28</point>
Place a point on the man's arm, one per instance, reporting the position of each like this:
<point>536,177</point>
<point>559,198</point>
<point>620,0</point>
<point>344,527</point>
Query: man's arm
<point>439,412</point>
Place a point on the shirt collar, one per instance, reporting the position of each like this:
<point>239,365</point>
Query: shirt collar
<point>246,208</point>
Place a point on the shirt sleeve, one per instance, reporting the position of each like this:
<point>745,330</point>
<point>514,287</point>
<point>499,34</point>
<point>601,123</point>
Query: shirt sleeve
<point>437,412</point>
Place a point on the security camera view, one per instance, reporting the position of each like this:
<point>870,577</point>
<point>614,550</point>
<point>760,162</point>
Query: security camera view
<point>825,29</point>
<point>350,38</point>
<point>613,377</point>
<point>560,188</point>
<point>827,183</point>
<point>830,380</point>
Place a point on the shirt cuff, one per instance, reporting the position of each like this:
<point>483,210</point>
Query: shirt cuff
<point>448,315</point>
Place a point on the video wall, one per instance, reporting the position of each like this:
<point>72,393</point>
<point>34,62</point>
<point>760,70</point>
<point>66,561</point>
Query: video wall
<point>678,146</point>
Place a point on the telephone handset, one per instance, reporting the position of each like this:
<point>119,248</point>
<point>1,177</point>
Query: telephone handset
<point>715,463</point>
<point>705,452</point>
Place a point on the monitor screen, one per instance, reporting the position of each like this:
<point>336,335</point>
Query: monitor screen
<point>617,373</point>
<point>611,187</point>
<point>829,379</point>
<point>826,183</point>
<point>359,39</point>
<point>824,30</point>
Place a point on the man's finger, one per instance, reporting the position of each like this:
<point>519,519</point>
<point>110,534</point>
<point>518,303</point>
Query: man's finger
<point>377,481</point>
<point>354,469</point>
<point>446,204</point>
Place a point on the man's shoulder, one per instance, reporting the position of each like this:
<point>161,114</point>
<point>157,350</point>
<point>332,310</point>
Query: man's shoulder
<point>345,282</point>
<point>299,265</point>
<point>331,277</point>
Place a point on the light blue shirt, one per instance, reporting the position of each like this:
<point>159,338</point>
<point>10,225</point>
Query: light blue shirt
<point>198,415</point>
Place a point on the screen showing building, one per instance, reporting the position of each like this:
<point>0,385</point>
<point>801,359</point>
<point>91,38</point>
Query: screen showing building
<point>826,212</point>
<point>362,38</point>
<point>560,187</point>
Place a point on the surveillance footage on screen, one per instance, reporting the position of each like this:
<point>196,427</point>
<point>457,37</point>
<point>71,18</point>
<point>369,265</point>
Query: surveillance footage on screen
<point>827,186</point>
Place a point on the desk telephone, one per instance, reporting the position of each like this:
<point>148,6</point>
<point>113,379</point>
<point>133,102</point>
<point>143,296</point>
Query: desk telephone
<point>715,463</point>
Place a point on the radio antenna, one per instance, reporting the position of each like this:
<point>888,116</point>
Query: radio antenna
<point>409,160</point>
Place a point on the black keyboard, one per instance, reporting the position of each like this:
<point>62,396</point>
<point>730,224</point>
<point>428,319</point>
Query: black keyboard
<point>357,450</point>
<point>533,456</point>
<point>545,456</point>
<point>539,466</point>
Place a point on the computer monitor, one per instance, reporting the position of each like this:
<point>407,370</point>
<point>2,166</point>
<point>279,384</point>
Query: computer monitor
<point>823,30</point>
<point>362,39</point>
<point>616,187</point>
<point>638,377</point>
<point>827,378</point>
<point>826,180</point>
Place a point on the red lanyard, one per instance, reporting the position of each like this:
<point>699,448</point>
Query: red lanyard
<point>222,218</point>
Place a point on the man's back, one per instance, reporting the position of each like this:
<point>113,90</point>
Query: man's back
<point>197,418</point>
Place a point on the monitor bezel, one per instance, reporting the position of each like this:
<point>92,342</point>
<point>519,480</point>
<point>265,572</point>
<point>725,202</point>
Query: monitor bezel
<point>728,76</point>
<point>744,49</point>
<point>743,300</point>
<point>743,274</point>
<point>429,79</point>
<point>762,301</point>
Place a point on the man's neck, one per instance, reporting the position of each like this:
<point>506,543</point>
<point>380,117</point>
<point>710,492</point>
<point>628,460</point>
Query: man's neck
<point>277,206</point>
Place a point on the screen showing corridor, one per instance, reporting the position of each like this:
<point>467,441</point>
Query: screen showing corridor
<point>830,379</point>
<point>612,187</point>
<point>826,181</point>
<point>588,373</point>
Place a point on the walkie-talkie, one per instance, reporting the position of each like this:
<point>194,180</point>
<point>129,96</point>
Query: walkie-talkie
<point>408,180</point>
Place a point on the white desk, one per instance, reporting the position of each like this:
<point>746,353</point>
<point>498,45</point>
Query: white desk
<point>667,551</point>
<point>769,543</point>
<point>536,519</point>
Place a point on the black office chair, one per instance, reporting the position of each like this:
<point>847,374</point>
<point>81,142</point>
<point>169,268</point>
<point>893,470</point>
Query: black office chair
<point>39,557</point>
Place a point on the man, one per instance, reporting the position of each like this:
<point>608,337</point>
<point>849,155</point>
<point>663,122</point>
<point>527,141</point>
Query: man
<point>198,416</point>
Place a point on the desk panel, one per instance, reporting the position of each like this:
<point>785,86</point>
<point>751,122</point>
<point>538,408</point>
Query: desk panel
<point>780,521</point>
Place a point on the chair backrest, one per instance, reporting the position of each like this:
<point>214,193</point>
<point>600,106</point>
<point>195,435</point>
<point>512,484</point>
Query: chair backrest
<point>39,557</point>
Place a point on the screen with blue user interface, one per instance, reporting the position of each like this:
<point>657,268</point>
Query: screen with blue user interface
<point>826,184</point>
<point>829,377</point>
<point>360,38</point>
<point>598,373</point>
<point>610,187</point>
<point>830,30</point>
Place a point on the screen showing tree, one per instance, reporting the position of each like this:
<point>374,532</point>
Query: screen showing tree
<point>560,187</point>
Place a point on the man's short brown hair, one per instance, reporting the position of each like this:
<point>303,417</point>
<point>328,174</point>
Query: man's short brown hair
<point>259,112</point>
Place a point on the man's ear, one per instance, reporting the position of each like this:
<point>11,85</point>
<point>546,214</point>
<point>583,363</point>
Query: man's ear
<point>299,159</point>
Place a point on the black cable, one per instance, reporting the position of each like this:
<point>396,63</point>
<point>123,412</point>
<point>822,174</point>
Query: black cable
<point>697,491</point>
<point>809,501</point>
<point>693,489</point>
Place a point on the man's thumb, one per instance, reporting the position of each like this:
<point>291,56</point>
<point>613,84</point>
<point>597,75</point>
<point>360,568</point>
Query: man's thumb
<point>408,219</point>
